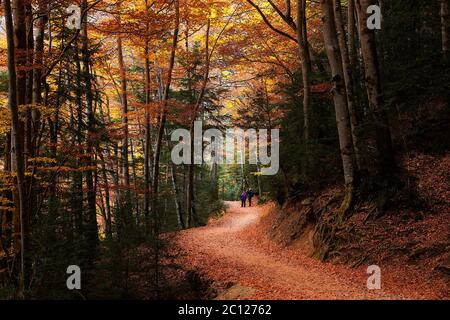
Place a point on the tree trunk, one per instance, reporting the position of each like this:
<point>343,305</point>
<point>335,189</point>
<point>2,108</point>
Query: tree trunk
<point>162,121</point>
<point>190,205</point>
<point>133,168</point>
<point>385,154</point>
<point>7,194</point>
<point>148,128</point>
<point>77,180</point>
<point>100,152</point>
<point>124,102</point>
<point>339,93</point>
<point>37,70</point>
<point>305,57</point>
<point>190,182</point>
<point>108,221</point>
<point>126,197</point>
<point>348,78</point>
<point>17,82</point>
<point>92,227</point>
<point>351,32</point>
<point>176,192</point>
<point>29,134</point>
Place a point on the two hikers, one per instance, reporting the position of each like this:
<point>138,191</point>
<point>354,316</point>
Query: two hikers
<point>247,195</point>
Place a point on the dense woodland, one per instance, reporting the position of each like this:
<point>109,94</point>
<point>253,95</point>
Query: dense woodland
<point>86,176</point>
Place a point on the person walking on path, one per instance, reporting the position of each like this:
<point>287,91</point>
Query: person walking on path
<point>250,195</point>
<point>243,199</point>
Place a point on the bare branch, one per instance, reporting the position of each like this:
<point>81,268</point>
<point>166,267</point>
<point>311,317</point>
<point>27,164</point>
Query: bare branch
<point>269,24</point>
<point>286,18</point>
<point>69,43</point>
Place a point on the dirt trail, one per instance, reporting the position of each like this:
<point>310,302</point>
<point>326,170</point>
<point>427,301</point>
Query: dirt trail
<point>224,253</point>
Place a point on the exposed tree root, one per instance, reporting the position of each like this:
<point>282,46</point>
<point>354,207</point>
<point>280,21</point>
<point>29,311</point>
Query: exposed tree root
<point>332,233</point>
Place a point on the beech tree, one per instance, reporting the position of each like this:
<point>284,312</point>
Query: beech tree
<point>339,96</point>
<point>163,116</point>
<point>348,72</point>
<point>301,38</point>
<point>385,153</point>
<point>16,83</point>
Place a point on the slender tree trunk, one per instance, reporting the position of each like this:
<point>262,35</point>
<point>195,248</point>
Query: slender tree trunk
<point>351,32</point>
<point>92,227</point>
<point>305,58</point>
<point>37,70</point>
<point>215,182</point>
<point>190,182</point>
<point>7,194</point>
<point>385,154</point>
<point>114,169</point>
<point>100,152</point>
<point>29,134</point>
<point>348,78</point>
<point>190,205</point>
<point>133,168</point>
<point>124,102</point>
<point>53,130</point>
<point>354,61</point>
<point>77,180</point>
<point>176,191</point>
<point>126,201</point>
<point>147,144</point>
<point>16,82</point>
<point>339,96</point>
<point>148,127</point>
<point>108,222</point>
<point>162,121</point>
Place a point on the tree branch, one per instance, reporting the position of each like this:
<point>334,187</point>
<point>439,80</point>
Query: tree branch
<point>287,19</point>
<point>269,24</point>
<point>69,43</point>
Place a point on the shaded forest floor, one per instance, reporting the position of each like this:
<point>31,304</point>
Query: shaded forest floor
<point>240,261</point>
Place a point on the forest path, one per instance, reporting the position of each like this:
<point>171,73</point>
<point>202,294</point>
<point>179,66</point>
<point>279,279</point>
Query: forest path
<point>226,251</point>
